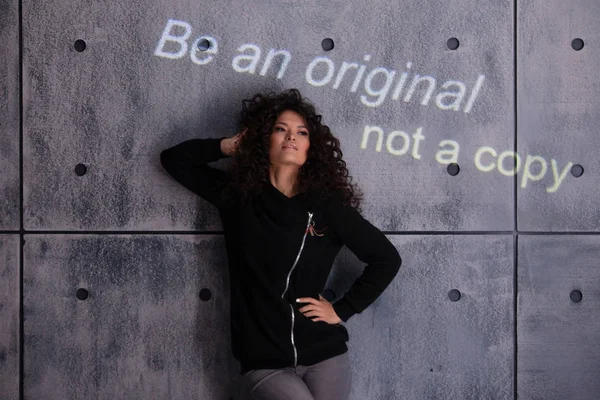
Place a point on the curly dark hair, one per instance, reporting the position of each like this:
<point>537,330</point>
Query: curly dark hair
<point>324,170</point>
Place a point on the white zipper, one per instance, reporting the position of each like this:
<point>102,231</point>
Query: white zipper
<point>287,284</point>
<point>294,344</point>
<point>287,281</point>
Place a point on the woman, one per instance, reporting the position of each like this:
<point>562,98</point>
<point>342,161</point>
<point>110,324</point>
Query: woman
<point>287,207</point>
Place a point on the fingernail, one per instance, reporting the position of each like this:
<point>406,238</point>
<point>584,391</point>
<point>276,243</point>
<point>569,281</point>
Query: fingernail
<point>297,300</point>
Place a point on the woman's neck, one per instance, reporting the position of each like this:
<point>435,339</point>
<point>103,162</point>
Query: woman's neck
<point>284,178</point>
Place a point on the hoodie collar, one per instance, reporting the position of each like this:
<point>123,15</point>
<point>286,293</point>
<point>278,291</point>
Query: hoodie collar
<point>285,209</point>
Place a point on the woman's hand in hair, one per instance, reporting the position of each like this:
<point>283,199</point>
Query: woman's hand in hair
<point>321,309</point>
<point>229,145</point>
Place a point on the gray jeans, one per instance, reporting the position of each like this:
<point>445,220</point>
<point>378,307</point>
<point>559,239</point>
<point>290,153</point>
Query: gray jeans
<point>327,380</point>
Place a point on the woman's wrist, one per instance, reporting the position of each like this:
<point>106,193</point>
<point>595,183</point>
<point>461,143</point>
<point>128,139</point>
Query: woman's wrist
<point>223,146</point>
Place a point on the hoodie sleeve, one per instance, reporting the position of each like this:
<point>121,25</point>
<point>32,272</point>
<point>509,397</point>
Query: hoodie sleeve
<point>187,163</point>
<point>372,247</point>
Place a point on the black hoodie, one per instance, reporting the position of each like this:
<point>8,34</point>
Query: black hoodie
<point>280,249</point>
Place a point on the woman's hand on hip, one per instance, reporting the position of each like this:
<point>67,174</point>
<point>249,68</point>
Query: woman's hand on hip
<point>322,309</point>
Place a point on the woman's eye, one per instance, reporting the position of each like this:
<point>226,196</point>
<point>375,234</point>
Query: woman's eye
<point>303,133</point>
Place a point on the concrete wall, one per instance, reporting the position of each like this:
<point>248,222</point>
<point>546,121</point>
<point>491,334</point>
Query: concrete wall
<point>112,276</point>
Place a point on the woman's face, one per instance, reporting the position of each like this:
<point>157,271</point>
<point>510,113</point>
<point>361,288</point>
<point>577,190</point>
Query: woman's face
<point>289,140</point>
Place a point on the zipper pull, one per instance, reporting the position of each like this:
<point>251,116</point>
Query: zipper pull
<point>308,225</point>
<point>313,231</point>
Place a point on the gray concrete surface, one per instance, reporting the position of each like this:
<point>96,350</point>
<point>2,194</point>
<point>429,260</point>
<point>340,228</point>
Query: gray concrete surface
<point>142,332</point>
<point>9,115</point>
<point>141,85</point>
<point>558,112</point>
<point>415,343</point>
<point>129,94</point>
<point>559,339</point>
<point>9,316</point>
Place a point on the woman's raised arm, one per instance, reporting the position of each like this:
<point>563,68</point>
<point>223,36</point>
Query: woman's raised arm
<point>187,163</point>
